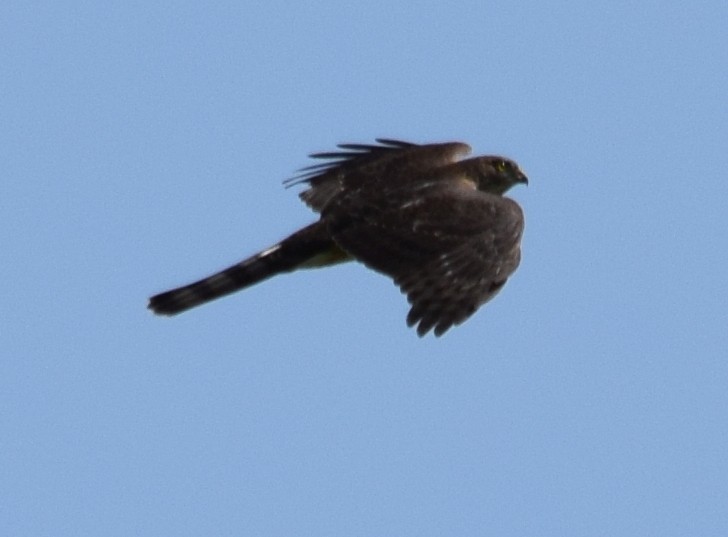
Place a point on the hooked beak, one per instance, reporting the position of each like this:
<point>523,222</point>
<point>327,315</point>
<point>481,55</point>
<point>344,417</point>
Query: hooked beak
<point>521,178</point>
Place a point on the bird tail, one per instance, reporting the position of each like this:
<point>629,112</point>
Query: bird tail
<point>311,246</point>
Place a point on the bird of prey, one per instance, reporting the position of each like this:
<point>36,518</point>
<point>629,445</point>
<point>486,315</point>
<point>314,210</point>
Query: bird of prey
<point>435,223</point>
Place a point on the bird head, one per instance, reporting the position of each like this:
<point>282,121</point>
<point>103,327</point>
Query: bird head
<point>497,174</point>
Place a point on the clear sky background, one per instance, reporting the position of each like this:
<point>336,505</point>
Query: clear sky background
<point>143,145</point>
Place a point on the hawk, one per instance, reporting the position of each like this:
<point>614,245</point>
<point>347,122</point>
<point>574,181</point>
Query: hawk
<point>438,225</point>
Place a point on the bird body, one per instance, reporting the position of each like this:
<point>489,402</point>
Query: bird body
<point>438,226</point>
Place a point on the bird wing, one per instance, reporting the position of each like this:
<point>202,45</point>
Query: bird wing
<point>450,248</point>
<point>364,170</point>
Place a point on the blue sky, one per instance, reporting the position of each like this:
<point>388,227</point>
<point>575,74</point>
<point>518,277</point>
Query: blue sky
<point>143,145</point>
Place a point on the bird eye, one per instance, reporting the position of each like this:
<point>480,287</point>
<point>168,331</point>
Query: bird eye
<point>501,166</point>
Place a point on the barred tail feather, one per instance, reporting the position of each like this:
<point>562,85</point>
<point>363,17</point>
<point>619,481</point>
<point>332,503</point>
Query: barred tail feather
<point>234,278</point>
<point>296,251</point>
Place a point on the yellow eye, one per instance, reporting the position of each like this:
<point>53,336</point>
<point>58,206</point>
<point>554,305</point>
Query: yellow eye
<point>501,166</point>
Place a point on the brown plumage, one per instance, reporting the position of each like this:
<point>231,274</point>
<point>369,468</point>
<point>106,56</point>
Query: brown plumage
<point>439,226</point>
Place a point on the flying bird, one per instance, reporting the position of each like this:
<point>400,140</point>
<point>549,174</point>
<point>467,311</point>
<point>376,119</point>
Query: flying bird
<point>436,223</point>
